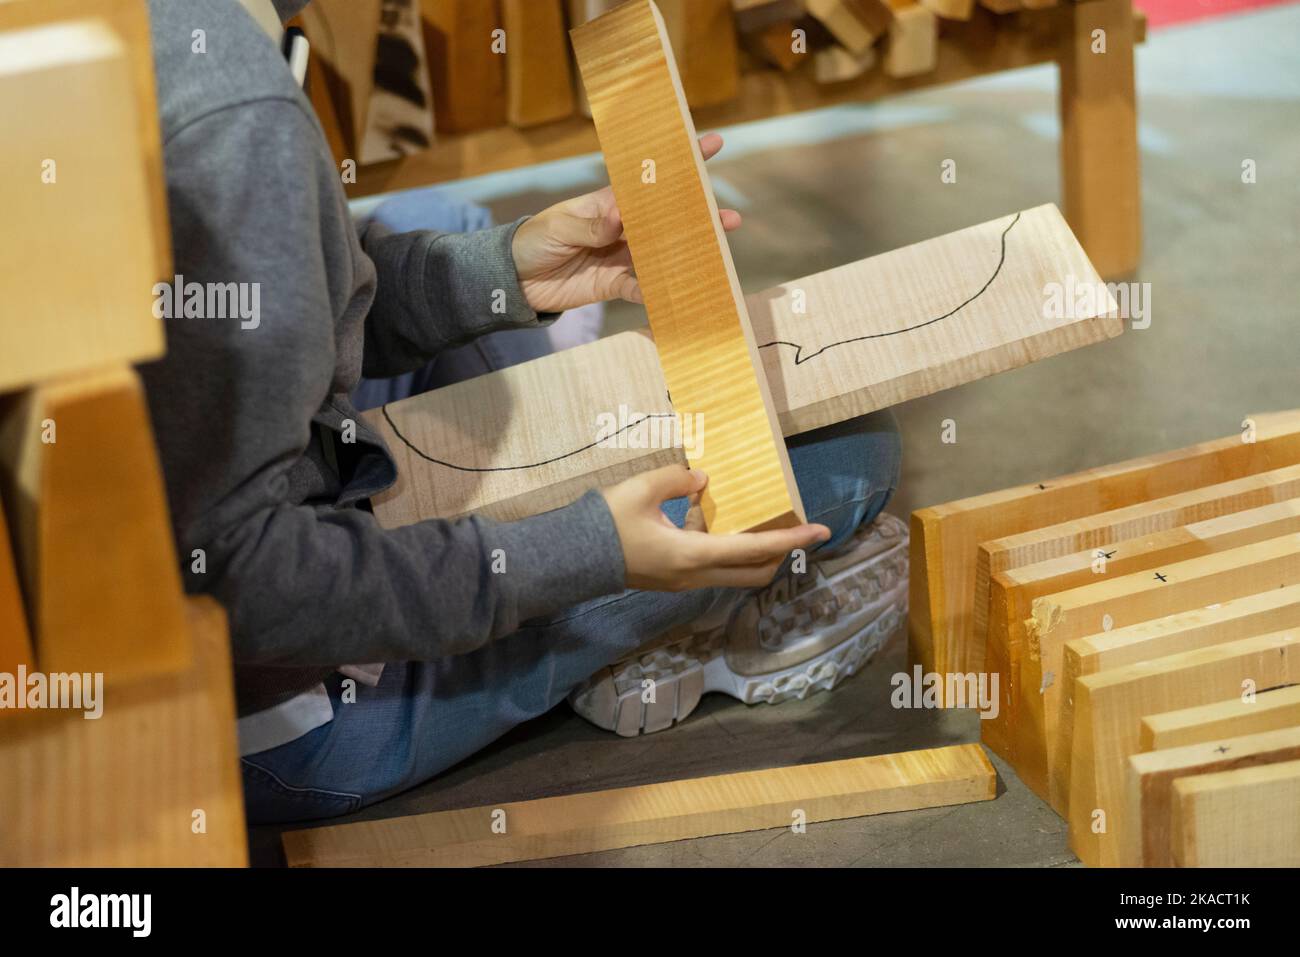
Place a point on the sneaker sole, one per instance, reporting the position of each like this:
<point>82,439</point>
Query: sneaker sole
<point>867,602</point>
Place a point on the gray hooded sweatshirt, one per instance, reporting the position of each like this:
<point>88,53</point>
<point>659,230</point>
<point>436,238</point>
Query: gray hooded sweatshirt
<point>249,420</point>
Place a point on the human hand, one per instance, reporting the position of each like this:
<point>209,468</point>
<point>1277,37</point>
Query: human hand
<point>659,556</point>
<point>575,253</point>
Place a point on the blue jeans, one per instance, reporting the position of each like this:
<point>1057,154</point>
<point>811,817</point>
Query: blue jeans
<point>425,716</point>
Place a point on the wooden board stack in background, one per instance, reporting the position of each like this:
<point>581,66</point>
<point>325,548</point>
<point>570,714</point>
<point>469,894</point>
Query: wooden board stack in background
<point>1102,600</point>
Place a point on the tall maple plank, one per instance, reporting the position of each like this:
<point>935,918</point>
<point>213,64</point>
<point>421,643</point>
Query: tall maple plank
<point>538,81</point>
<point>697,313</point>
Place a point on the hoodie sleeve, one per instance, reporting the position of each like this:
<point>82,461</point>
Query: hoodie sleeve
<point>253,199</point>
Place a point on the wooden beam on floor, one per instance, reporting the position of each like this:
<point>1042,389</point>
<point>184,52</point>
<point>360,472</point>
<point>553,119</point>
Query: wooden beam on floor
<point>912,47</point>
<point>1268,710</point>
<point>1141,596</point>
<point>1109,707</point>
<point>945,537</point>
<point>706,346</point>
<point>703,38</point>
<point>468,77</point>
<point>834,345</point>
<point>1151,777</point>
<point>1257,614</point>
<point>654,813</point>
<point>855,24</point>
<point>1241,818</point>
<point>15,638</point>
<point>1013,591</point>
<point>539,84</point>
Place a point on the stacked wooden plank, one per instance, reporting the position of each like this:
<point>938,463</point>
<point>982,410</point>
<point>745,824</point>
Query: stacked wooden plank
<point>117,729</point>
<point>1135,618</point>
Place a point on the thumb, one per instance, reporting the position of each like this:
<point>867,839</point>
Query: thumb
<point>673,481</point>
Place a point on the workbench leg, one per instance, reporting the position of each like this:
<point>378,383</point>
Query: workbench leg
<point>1099,151</point>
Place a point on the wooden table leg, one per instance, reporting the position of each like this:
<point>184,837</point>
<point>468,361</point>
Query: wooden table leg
<point>1099,151</point>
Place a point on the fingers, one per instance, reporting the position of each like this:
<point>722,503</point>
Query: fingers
<point>671,481</point>
<point>758,548</point>
<point>589,221</point>
<point>710,144</point>
<point>730,219</point>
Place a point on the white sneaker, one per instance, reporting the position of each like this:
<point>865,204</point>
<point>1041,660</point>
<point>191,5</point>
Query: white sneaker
<point>801,634</point>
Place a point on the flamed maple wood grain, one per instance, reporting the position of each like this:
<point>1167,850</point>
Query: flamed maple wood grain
<point>1109,707</point>
<point>1151,778</point>
<point>1257,614</point>
<point>945,537</point>
<point>1013,591</point>
<point>1241,818</point>
<point>1141,596</point>
<point>487,422</point>
<point>654,813</point>
<point>697,313</point>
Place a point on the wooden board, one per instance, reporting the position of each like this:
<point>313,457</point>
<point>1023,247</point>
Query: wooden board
<point>1268,710</point>
<point>122,790</point>
<point>703,38</point>
<point>755,15</point>
<point>1141,596</point>
<point>1110,705</point>
<point>951,9</point>
<point>89,520</point>
<point>774,44</point>
<point>1105,529</point>
<point>15,639</point>
<point>856,24</point>
<point>838,358</point>
<point>912,48</point>
<point>834,64</point>
<point>1241,818</point>
<point>67,99</point>
<point>1012,592</point>
<point>945,537</point>
<point>1256,614</point>
<point>654,813</point>
<point>1100,160</point>
<point>1151,778</point>
<point>539,85</point>
<point>706,347</point>
<point>468,78</point>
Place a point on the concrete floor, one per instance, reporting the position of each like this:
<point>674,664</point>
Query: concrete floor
<point>818,190</point>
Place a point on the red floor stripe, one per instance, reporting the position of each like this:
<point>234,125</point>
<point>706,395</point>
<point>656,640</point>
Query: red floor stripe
<point>1163,13</point>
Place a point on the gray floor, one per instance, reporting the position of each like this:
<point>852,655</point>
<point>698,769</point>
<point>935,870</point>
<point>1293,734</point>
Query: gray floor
<point>818,190</point>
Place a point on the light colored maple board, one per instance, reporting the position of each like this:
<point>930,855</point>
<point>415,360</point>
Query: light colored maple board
<point>344,35</point>
<point>539,86</point>
<point>703,38</point>
<point>834,64</point>
<point>1013,591</point>
<point>66,98</point>
<point>1105,529</point>
<point>951,9</point>
<point>697,313</point>
<point>1217,624</point>
<point>1151,778</point>
<point>1099,150</point>
<point>479,424</point>
<point>89,520</point>
<point>129,21</point>
<point>856,24</point>
<point>468,77</point>
<point>912,47</point>
<point>1268,710</point>
<point>654,813</point>
<point>1141,596</point>
<point>15,639</point>
<point>1109,707</point>
<point>121,790</point>
<point>1241,818</point>
<point>945,537</point>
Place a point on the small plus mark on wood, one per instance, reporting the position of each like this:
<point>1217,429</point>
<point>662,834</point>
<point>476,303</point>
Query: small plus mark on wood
<point>1110,554</point>
<point>1042,486</point>
<point>1161,577</point>
<point>1223,749</point>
